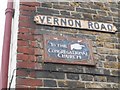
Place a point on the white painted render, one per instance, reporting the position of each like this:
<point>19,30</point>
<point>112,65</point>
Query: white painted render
<point>13,46</point>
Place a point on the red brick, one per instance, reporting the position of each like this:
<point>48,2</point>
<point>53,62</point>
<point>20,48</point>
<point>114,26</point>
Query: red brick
<point>21,87</point>
<point>32,31</point>
<point>38,51</point>
<point>25,57</point>
<point>32,58</point>
<point>24,24</point>
<point>26,65</point>
<point>25,50</point>
<point>38,37</point>
<point>25,37</point>
<point>32,74</point>
<point>23,30</point>
<point>22,73</point>
<point>27,24</point>
<point>30,3</point>
<point>25,73</point>
<point>29,82</point>
<point>29,65</point>
<point>24,18</point>
<point>34,44</point>
<point>26,13</point>
<point>38,66</point>
<point>22,43</point>
<point>28,8</point>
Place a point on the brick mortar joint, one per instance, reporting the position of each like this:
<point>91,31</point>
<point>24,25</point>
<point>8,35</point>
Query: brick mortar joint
<point>73,72</point>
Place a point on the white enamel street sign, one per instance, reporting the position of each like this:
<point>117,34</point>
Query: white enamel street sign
<point>74,23</point>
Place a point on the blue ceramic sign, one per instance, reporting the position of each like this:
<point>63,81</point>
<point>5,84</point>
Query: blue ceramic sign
<point>67,50</point>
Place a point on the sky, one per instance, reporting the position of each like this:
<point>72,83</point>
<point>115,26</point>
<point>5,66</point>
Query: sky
<point>3,5</point>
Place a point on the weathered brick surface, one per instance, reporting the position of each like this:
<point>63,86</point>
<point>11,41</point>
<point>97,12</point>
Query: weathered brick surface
<point>64,7</point>
<point>33,72</point>
<point>73,76</point>
<point>47,11</point>
<point>71,84</point>
<point>29,82</point>
<point>87,77</point>
<point>50,83</point>
<point>111,58</point>
<point>97,85</point>
<point>53,75</point>
<point>29,65</point>
<point>100,78</point>
<point>85,10</point>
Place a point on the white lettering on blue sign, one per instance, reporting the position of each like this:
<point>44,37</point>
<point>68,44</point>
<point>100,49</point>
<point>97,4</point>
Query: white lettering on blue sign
<point>70,50</point>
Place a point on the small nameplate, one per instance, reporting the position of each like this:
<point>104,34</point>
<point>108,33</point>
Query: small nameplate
<point>68,50</point>
<point>74,23</point>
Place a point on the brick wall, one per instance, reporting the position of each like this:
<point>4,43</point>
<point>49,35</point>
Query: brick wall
<point>33,72</point>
